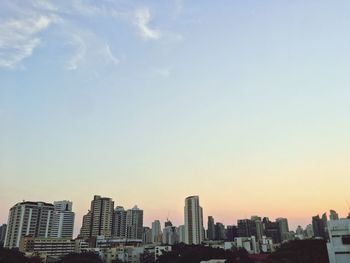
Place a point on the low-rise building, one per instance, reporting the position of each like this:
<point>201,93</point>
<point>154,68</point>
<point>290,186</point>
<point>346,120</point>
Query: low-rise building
<point>339,241</point>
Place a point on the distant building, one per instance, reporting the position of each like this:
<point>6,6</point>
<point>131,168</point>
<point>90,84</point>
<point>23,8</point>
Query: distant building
<point>231,233</point>
<point>147,235</point>
<point>119,223</point>
<point>63,220</point>
<point>156,232</point>
<point>181,233</point>
<point>220,232</point>
<point>272,230</point>
<point>134,223</point>
<point>28,219</point>
<point>259,229</point>
<point>98,221</point>
<point>283,228</point>
<point>3,228</point>
<point>339,241</point>
<point>44,247</point>
<point>318,226</point>
<point>333,215</point>
<point>211,228</point>
<point>246,228</point>
<point>309,233</point>
<point>194,231</point>
<point>170,236</point>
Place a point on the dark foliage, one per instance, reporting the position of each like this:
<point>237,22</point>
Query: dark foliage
<point>14,256</point>
<point>81,258</point>
<point>182,253</point>
<point>300,251</point>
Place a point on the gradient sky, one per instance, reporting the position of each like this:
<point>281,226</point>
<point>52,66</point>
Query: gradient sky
<point>244,103</point>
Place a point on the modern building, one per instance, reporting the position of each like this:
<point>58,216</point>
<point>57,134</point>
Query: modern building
<point>194,231</point>
<point>333,215</point>
<point>28,219</point>
<point>318,227</point>
<point>170,236</point>
<point>156,232</point>
<point>339,241</point>
<point>134,223</point>
<point>246,228</point>
<point>3,228</point>
<point>259,229</point>
<point>98,221</point>
<point>272,230</point>
<point>147,235</point>
<point>231,232</point>
<point>211,228</point>
<point>283,228</point>
<point>63,220</point>
<point>119,223</point>
<point>220,231</point>
<point>181,233</point>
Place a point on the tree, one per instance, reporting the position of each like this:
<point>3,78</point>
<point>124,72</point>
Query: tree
<point>14,256</point>
<point>81,258</point>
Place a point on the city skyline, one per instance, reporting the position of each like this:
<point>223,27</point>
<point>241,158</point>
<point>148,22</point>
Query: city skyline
<point>245,104</point>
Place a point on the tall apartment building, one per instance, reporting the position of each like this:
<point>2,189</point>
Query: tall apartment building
<point>333,215</point>
<point>119,223</point>
<point>194,232</point>
<point>211,228</point>
<point>283,228</point>
<point>28,218</point>
<point>134,223</point>
<point>63,220</point>
<point>3,228</point>
<point>98,221</point>
<point>156,232</point>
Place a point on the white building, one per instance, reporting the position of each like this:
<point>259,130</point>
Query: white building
<point>339,241</point>
<point>28,218</point>
<point>194,231</point>
<point>160,250</point>
<point>63,220</point>
<point>181,233</point>
<point>156,232</point>
<point>134,223</point>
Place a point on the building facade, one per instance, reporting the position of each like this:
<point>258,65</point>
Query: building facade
<point>63,220</point>
<point>194,232</point>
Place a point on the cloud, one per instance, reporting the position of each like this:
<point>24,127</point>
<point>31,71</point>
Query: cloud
<point>109,55</point>
<point>80,53</point>
<point>142,20</point>
<point>19,38</point>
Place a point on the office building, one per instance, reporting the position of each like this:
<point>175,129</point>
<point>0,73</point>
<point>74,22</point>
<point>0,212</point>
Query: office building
<point>28,218</point>
<point>98,221</point>
<point>333,215</point>
<point>318,227</point>
<point>119,223</point>
<point>211,228</point>
<point>194,232</point>
<point>134,223</point>
<point>283,228</point>
<point>156,232</point>
<point>63,220</point>
<point>3,228</point>
<point>220,231</point>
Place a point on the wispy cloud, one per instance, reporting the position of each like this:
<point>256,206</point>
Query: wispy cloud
<point>19,38</point>
<point>142,20</point>
<point>80,53</point>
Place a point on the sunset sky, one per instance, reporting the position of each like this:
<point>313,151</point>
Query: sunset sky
<point>244,103</point>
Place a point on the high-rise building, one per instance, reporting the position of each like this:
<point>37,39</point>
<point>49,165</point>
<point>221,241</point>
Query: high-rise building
<point>246,228</point>
<point>147,235</point>
<point>231,233</point>
<point>28,218</point>
<point>318,226</point>
<point>3,228</point>
<point>168,223</point>
<point>170,235</point>
<point>98,221</point>
<point>272,230</point>
<point>181,233</point>
<point>283,228</point>
<point>156,232</point>
<point>194,232</point>
<point>333,215</point>
<point>220,231</point>
<point>134,223</point>
<point>119,223</point>
<point>63,220</point>
<point>211,228</point>
<point>258,231</point>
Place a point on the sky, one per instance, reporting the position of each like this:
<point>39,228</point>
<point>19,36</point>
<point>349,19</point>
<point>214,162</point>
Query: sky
<point>244,103</point>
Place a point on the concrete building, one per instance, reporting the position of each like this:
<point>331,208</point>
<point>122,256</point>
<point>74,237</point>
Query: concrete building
<point>318,226</point>
<point>220,231</point>
<point>283,228</point>
<point>181,233</point>
<point>147,235</point>
<point>134,223</point>
<point>119,223</point>
<point>194,231</point>
<point>3,228</point>
<point>170,236</point>
<point>333,215</point>
<point>211,228</point>
<point>156,232</point>
<point>339,241</point>
<point>98,221</point>
<point>63,220</point>
<point>47,247</point>
<point>28,218</point>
